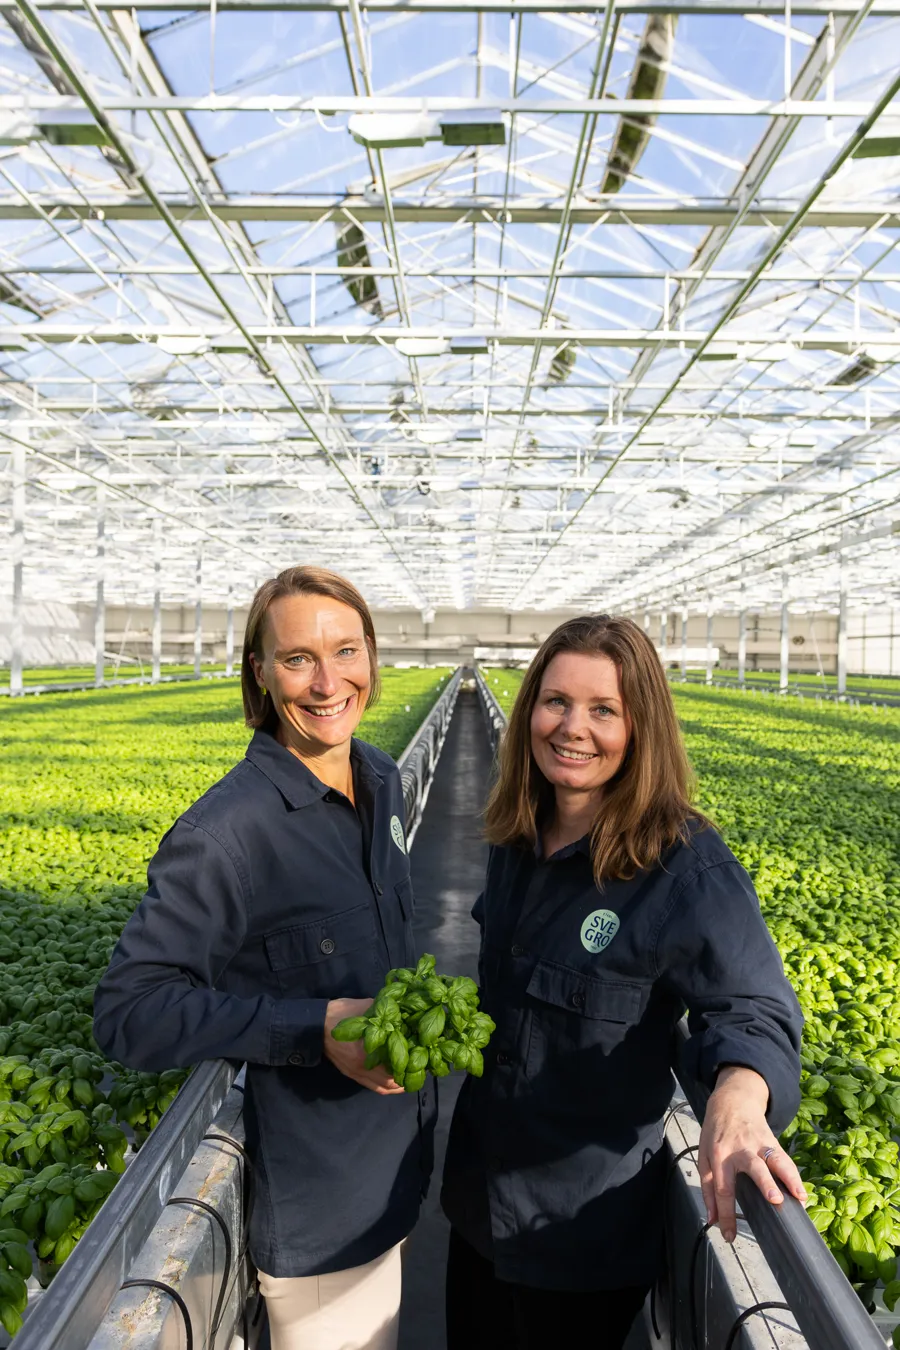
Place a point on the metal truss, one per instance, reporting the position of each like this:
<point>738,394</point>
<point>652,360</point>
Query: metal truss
<point>488,374</point>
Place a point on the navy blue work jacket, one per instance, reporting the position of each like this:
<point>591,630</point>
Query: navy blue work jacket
<point>555,1169</point>
<point>270,896</point>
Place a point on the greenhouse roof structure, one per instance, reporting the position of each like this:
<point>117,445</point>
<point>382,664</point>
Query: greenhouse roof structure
<point>480,303</point>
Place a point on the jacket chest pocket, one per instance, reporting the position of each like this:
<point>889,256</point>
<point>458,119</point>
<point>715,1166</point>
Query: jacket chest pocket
<point>333,957</point>
<point>575,1018</point>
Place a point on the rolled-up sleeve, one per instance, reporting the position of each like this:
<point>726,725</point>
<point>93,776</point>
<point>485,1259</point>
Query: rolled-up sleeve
<point>714,950</point>
<point>157,1006</point>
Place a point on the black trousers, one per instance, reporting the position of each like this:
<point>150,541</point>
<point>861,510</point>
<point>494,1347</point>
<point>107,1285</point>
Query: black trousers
<point>484,1313</point>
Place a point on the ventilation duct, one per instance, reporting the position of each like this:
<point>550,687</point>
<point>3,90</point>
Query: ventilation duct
<point>353,252</point>
<point>648,80</point>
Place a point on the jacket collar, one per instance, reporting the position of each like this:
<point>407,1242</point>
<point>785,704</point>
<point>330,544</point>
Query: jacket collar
<point>297,784</point>
<point>582,845</point>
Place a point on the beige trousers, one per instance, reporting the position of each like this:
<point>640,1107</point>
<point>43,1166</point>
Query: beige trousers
<point>356,1309</point>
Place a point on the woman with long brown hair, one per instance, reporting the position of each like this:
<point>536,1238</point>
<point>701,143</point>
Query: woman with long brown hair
<point>610,905</point>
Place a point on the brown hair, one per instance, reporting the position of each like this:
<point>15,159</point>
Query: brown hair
<point>646,806</point>
<point>259,710</point>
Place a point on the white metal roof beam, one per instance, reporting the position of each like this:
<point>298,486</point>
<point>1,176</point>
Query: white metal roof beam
<point>844,341</point>
<point>56,50</point>
<point>103,205</point>
<point>328,105</point>
<point>818,8</point>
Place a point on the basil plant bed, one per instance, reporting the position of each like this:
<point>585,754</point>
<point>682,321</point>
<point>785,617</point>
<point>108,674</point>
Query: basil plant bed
<point>809,800</point>
<point>422,1023</point>
<point>88,785</point>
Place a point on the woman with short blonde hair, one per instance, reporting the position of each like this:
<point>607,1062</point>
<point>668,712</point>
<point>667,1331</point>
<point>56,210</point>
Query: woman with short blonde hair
<point>610,906</point>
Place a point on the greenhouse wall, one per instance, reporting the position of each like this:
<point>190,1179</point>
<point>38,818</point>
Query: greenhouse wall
<point>408,636</point>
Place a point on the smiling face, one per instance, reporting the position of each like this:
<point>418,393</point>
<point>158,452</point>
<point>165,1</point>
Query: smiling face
<point>315,665</point>
<point>580,726</point>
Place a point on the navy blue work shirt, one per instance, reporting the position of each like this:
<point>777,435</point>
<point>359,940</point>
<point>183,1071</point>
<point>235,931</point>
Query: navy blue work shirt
<point>269,897</point>
<point>555,1169</point>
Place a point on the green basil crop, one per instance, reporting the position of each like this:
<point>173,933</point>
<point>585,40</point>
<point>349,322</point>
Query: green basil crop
<point>422,1023</point>
<point>88,785</point>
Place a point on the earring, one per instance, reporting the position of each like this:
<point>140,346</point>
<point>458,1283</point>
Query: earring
<point>262,690</point>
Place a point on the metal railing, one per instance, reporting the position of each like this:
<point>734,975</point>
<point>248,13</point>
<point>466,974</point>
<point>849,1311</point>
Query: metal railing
<point>494,716</point>
<point>852,698</point>
<point>68,1315</point>
<point>116,682</point>
<point>826,1307</point>
<point>418,762</point>
<point>824,1303</point>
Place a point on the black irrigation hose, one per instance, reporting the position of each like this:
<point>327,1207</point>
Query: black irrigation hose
<point>247,1208</point>
<point>248,1172</point>
<point>176,1298</point>
<point>245,1232</point>
<point>699,1244</point>
<point>226,1237</point>
<point>667,1191</point>
<point>747,1314</point>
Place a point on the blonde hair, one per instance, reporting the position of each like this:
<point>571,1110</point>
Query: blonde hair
<point>646,806</point>
<point>259,710</point>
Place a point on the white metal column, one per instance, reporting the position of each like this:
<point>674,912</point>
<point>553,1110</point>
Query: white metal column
<point>783,676</point>
<point>742,647</point>
<point>198,618</point>
<point>684,635</point>
<point>709,645</point>
<point>17,631</point>
<point>156,654</point>
<point>229,633</point>
<point>100,603</point>
<point>842,644</point>
<point>664,638</point>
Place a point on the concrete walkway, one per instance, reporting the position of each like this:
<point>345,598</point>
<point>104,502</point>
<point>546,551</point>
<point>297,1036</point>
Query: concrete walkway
<point>448,863</point>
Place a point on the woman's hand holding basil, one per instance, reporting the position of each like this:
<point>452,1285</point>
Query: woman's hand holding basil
<point>349,1057</point>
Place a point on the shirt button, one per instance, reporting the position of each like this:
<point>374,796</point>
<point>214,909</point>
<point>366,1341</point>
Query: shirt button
<point>517,950</point>
<point>326,946</point>
<point>578,1000</point>
<point>503,1058</point>
<point>296,1058</point>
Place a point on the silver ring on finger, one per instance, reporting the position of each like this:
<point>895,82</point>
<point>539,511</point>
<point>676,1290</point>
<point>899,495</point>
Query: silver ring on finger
<point>768,1153</point>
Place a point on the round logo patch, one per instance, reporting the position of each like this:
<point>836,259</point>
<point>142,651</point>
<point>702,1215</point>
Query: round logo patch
<point>397,833</point>
<point>599,929</point>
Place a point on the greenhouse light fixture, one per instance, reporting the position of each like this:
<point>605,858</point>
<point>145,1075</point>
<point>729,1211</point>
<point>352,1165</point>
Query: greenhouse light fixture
<point>474,128</point>
<point>413,346</point>
<point>71,127</point>
<point>718,352</point>
<point>469,346</point>
<point>393,131</point>
<point>878,147</point>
